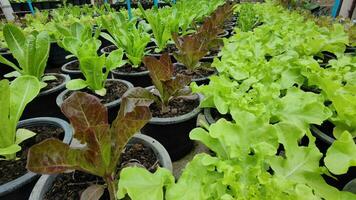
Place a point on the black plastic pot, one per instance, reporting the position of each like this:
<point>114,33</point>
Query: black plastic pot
<point>4,69</point>
<point>138,79</point>
<point>74,74</point>
<point>350,50</point>
<point>107,49</point>
<point>113,107</point>
<point>225,34</point>
<point>209,118</point>
<point>323,142</point>
<point>20,188</point>
<point>44,105</point>
<point>173,132</point>
<point>57,56</point>
<point>46,181</point>
<point>198,81</point>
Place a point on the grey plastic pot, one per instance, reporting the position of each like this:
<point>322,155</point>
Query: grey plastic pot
<point>44,105</point>
<point>173,132</point>
<point>225,34</point>
<point>198,81</point>
<point>74,74</point>
<point>209,118</point>
<point>21,187</point>
<point>112,107</point>
<point>46,181</point>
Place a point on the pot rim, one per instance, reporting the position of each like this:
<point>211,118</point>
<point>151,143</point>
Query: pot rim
<point>58,87</point>
<point>199,79</point>
<point>59,99</point>
<point>70,71</point>
<point>30,176</point>
<point>45,182</point>
<point>177,119</point>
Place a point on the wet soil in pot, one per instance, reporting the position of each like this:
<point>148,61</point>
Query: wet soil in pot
<point>109,49</point>
<point>69,186</point>
<point>127,68</point>
<point>115,90</point>
<point>10,170</point>
<point>196,74</point>
<point>53,83</point>
<point>170,48</point>
<point>73,65</point>
<point>176,107</point>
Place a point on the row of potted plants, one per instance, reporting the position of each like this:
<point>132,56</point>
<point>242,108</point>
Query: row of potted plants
<point>97,146</point>
<point>270,97</point>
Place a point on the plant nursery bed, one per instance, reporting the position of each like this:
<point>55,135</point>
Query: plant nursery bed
<point>176,107</point>
<point>69,186</point>
<point>12,169</point>
<point>115,90</point>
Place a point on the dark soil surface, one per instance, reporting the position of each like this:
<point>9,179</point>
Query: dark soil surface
<point>176,107</point>
<point>129,69</point>
<point>69,186</point>
<point>10,170</point>
<point>73,65</point>
<point>53,83</point>
<point>169,49</point>
<point>109,49</point>
<point>216,115</point>
<point>196,74</point>
<point>114,91</point>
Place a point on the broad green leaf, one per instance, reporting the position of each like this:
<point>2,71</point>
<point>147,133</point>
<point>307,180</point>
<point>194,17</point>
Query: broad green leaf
<point>12,149</point>
<point>114,60</point>
<point>140,184</point>
<point>76,84</point>
<point>22,135</point>
<point>101,92</point>
<point>341,154</point>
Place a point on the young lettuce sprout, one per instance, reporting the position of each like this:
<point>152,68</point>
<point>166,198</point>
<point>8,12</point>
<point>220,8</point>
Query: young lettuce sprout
<point>168,87</point>
<point>95,68</point>
<point>31,53</point>
<point>103,143</point>
<point>13,99</point>
<point>192,48</point>
<point>124,34</point>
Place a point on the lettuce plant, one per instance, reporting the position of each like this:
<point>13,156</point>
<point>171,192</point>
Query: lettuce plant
<point>13,99</point>
<point>192,48</point>
<point>95,68</point>
<point>168,87</point>
<point>125,35</point>
<point>248,18</point>
<point>73,37</point>
<point>163,23</point>
<point>31,52</point>
<point>246,165</point>
<point>103,143</point>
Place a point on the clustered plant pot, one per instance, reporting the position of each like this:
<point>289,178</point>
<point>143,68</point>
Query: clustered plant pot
<point>150,49</point>
<point>72,69</point>
<point>139,78</point>
<point>44,105</point>
<point>198,80</point>
<point>45,183</point>
<point>21,187</point>
<point>5,69</point>
<point>113,107</point>
<point>173,132</point>
<point>324,140</point>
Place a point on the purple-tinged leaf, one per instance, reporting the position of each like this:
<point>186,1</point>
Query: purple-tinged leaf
<point>84,111</point>
<point>93,192</point>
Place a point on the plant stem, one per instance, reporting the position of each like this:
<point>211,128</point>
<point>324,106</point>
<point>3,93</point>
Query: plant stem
<point>111,187</point>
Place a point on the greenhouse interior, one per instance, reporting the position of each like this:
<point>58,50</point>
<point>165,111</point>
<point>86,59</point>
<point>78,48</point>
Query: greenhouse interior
<point>178,100</point>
